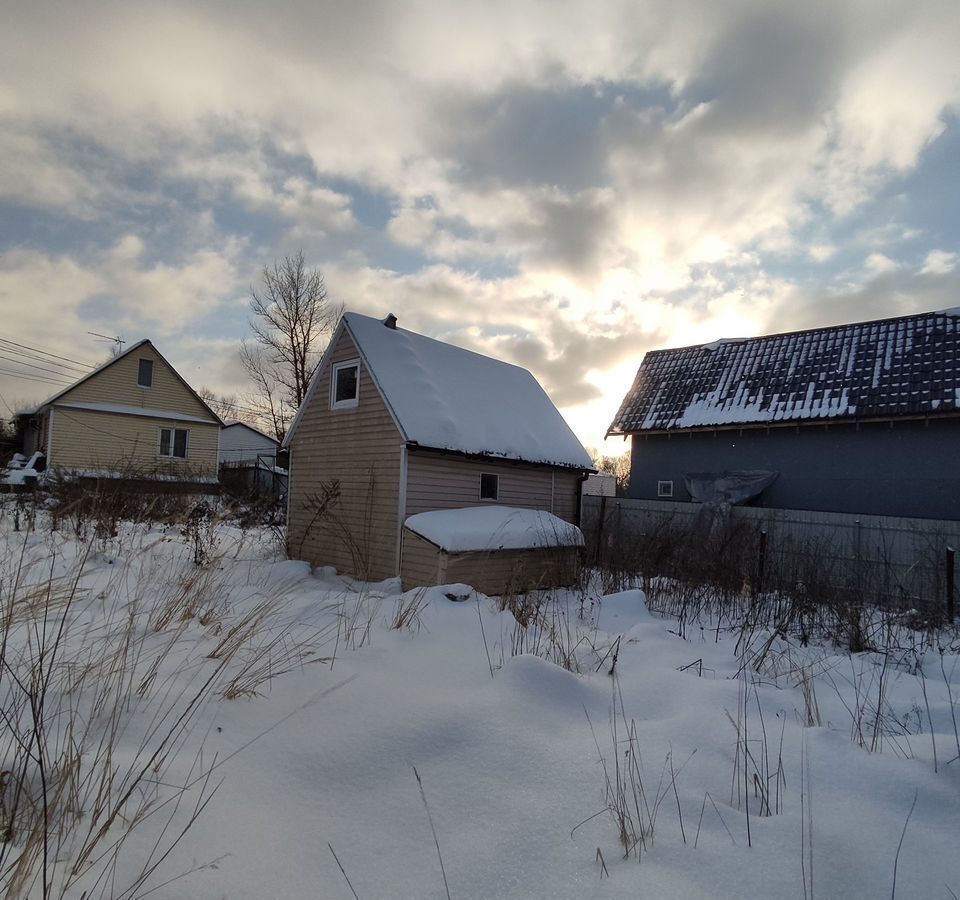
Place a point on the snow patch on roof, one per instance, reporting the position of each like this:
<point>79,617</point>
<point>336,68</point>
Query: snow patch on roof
<point>494,528</point>
<point>453,399</point>
<point>908,366</point>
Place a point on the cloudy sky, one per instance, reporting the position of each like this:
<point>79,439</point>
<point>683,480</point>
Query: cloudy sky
<point>564,185</point>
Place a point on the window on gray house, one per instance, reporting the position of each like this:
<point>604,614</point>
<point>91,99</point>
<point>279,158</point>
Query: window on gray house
<point>145,373</point>
<point>489,486</point>
<point>173,442</point>
<point>664,488</point>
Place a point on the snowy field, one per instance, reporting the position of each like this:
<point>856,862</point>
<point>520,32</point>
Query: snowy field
<point>324,738</point>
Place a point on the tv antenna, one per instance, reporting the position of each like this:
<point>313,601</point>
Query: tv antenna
<point>119,341</point>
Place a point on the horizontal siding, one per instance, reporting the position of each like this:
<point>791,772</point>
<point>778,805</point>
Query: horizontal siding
<point>358,448</point>
<point>87,441</point>
<point>514,571</point>
<point>419,562</point>
<point>566,493</point>
<point>437,481</point>
<point>118,384</point>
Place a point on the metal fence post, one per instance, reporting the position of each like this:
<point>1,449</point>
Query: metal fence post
<point>950,574</point>
<point>761,559</point>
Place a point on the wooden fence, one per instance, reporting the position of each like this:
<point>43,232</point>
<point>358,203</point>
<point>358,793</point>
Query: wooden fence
<point>899,559</point>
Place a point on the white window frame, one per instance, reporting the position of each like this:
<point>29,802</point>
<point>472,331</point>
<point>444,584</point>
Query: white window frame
<point>344,404</point>
<point>665,489</point>
<point>153,368</point>
<point>173,442</point>
<point>496,480</point>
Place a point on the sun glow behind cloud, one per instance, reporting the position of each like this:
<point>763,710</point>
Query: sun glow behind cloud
<point>566,191</point>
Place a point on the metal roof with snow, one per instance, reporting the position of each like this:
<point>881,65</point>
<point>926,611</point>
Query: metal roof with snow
<point>444,397</point>
<point>888,368</point>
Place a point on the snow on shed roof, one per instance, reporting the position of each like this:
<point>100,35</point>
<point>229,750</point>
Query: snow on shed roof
<point>906,366</point>
<point>494,528</point>
<point>448,398</point>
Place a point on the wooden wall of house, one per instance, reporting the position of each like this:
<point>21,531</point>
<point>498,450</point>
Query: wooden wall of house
<point>438,481</point>
<point>358,447</point>
<point>420,561</point>
<point>491,572</point>
<point>497,572</point>
<point>86,441</point>
<point>118,384</point>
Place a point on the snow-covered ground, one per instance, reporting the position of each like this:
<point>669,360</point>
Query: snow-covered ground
<point>303,719</point>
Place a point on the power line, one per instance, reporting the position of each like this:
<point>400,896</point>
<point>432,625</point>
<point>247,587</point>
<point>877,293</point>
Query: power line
<point>20,362</point>
<point>42,379</point>
<point>47,353</point>
<point>41,356</point>
<point>62,368</point>
<point>231,406</point>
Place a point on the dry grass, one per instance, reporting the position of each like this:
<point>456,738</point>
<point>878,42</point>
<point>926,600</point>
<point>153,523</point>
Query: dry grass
<point>101,691</point>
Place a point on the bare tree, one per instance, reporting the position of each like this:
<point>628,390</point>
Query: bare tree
<point>227,406</point>
<point>291,314</point>
<point>618,466</point>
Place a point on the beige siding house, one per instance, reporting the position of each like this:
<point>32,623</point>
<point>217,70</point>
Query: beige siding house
<point>133,416</point>
<point>394,424</point>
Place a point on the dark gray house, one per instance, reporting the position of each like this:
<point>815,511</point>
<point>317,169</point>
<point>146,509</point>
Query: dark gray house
<point>861,418</point>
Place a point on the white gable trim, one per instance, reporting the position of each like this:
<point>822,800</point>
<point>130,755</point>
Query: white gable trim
<point>322,366</point>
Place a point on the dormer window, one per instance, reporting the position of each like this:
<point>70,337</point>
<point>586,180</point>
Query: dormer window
<point>145,373</point>
<point>345,388</point>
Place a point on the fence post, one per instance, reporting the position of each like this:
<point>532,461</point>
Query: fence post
<point>603,513</point>
<point>950,574</point>
<point>761,560</point>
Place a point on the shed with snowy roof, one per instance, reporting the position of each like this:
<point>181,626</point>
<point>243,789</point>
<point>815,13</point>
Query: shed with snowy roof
<point>132,417</point>
<point>395,424</point>
<point>861,418</point>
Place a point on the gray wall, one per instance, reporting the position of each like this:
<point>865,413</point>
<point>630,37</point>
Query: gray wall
<point>912,469</point>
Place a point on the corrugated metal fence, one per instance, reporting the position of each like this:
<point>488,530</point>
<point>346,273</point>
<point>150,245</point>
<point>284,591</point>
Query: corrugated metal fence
<point>900,559</point>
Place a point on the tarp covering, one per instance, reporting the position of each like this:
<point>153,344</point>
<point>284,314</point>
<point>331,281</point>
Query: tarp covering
<point>728,487</point>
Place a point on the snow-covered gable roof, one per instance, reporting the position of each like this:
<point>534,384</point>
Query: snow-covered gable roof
<point>908,366</point>
<point>448,398</point>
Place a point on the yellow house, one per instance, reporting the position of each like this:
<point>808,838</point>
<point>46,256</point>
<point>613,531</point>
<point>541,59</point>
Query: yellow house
<point>134,417</point>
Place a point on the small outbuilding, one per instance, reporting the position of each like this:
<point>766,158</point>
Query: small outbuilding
<point>493,548</point>
<point>249,462</point>
<point>242,444</point>
<point>395,424</point>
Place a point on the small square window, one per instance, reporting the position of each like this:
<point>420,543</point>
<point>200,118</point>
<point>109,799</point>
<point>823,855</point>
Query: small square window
<point>664,488</point>
<point>173,442</point>
<point>489,486</point>
<point>145,373</point>
<point>346,385</point>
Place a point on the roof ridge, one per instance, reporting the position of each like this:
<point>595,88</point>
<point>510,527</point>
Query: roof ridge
<point>946,313</point>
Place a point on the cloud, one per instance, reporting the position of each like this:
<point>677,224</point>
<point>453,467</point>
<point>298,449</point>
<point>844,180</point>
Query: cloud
<point>939,262</point>
<point>52,301</point>
<point>895,292</point>
<point>563,189</point>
